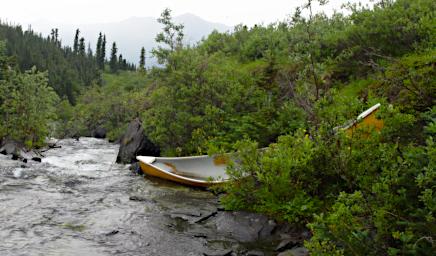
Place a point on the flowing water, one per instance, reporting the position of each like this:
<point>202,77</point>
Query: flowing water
<point>79,202</point>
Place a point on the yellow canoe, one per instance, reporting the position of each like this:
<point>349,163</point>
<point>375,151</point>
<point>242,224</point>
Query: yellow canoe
<point>366,119</point>
<point>198,171</point>
<point>204,171</point>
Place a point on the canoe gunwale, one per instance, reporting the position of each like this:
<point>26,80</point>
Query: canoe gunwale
<point>148,161</point>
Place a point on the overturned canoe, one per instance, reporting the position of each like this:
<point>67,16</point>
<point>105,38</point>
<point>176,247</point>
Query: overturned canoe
<point>198,171</point>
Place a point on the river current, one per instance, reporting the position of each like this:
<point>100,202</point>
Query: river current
<point>78,201</point>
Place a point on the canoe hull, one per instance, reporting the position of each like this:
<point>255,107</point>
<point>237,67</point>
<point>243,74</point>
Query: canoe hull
<point>151,166</point>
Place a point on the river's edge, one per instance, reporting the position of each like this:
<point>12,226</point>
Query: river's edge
<point>194,215</point>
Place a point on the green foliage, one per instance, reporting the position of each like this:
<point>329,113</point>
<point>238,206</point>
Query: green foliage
<point>68,71</point>
<point>293,86</point>
<point>394,213</point>
<point>110,106</point>
<point>26,107</point>
<point>363,195</point>
<point>142,60</point>
<point>113,62</point>
<point>171,36</point>
<point>100,51</point>
<point>275,178</point>
<point>411,81</point>
<point>213,100</point>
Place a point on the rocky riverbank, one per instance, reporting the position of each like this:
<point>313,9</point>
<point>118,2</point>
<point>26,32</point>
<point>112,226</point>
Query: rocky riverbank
<point>78,201</point>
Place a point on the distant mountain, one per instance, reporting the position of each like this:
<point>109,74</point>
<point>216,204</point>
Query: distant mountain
<point>131,34</point>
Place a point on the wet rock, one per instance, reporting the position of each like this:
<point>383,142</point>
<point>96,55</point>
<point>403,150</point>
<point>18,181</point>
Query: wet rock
<point>244,226</point>
<point>292,233</point>
<point>113,232</point>
<point>53,146</point>
<point>141,199</point>
<point>134,142</point>
<point>205,217</point>
<point>255,253</point>
<point>37,159</point>
<point>185,215</point>
<point>220,253</point>
<point>18,151</point>
<point>99,133</point>
<point>135,168</point>
<point>287,244</point>
<point>10,147</point>
<point>297,251</point>
<point>221,208</point>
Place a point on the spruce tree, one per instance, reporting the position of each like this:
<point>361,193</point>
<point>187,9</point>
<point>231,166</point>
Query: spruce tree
<point>98,50</point>
<point>120,62</point>
<point>142,60</point>
<point>76,42</point>
<point>113,62</point>
<point>82,46</point>
<point>89,51</point>
<point>103,52</point>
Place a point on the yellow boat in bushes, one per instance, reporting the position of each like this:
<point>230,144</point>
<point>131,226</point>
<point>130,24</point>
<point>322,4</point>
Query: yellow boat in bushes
<point>366,119</point>
<point>198,171</point>
<point>204,171</point>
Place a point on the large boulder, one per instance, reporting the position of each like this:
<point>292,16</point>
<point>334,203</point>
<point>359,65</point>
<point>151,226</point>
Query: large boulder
<point>134,142</point>
<point>99,133</point>
<point>10,147</point>
<point>18,151</point>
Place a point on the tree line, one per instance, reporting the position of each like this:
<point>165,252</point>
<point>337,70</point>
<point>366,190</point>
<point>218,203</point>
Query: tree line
<point>71,69</point>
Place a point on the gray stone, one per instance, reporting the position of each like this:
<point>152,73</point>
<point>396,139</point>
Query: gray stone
<point>141,199</point>
<point>18,151</point>
<point>10,147</point>
<point>286,244</point>
<point>244,226</point>
<point>99,133</point>
<point>219,253</point>
<point>255,253</point>
<point>135,168</point>
<point>297,251</point>
<point>134,143</point>
<point>37,159</point>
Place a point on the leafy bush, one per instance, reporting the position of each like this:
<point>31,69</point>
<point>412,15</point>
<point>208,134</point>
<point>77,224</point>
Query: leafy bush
<point>362,195</point>
<point>26,107</point>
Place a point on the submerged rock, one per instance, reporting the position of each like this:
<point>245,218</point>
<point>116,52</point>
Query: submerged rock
<point>135,168</point>
<point>141,199</point>
<point>134,142</point>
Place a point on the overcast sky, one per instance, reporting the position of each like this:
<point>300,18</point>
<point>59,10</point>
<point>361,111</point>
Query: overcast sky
<point>229,12</point>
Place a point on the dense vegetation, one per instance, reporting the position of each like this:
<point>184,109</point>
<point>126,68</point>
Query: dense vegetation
<point>26,103</point>
<point>69,69</point>
<point>285,86</point>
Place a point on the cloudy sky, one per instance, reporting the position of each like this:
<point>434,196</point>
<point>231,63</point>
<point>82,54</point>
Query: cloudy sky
<point>229,12</point>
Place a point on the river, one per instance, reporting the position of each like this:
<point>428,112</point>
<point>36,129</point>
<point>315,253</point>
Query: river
<point>77,201</point>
